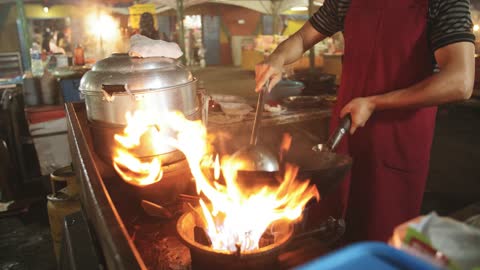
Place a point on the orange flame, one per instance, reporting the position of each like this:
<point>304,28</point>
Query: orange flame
<point>237,217</point>
<point>155,131</point>
<point>234,216</point>
<point>131,168</point>
<point>216,168</point>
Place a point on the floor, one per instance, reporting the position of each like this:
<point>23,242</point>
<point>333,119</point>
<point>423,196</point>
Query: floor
<point>25,241</point>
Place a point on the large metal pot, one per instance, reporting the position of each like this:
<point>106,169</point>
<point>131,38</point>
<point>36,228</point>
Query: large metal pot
<point>120,84</point>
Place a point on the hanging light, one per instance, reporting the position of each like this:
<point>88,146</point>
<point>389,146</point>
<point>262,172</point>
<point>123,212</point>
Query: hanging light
<point>476,27</point>
<point>46,7</point>
<point>299,9</point>
<point>103,26</point>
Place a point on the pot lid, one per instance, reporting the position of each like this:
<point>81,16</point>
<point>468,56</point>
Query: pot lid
<point>138,74</point>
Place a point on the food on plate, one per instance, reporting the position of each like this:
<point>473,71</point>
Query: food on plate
<point>274,108</point>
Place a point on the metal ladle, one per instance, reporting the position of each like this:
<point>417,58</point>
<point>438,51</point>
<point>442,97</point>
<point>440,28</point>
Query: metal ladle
<point>256,158</point>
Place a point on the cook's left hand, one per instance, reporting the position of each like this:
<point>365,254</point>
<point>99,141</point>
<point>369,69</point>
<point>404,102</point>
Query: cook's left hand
<point>360,110</point>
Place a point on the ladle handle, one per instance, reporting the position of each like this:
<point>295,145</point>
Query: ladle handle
<point>258,113</point>
<point>341,130</point>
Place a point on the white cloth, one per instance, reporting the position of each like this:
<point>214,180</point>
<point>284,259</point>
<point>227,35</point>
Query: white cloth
<point>142,46</point>
<point>4,206</point>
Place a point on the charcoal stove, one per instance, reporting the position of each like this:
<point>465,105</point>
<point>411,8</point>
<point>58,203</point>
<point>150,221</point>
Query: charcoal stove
<point>205,257</point>
<point>124,236</point>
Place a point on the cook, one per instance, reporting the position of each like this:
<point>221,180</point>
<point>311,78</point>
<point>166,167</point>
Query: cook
<point>390,89</point>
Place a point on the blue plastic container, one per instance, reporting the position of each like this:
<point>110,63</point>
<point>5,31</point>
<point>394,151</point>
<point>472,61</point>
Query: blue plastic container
<point>370,255</point>
<point>70,90</point>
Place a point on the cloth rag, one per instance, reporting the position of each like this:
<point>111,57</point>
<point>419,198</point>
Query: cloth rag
<point>142,46</point>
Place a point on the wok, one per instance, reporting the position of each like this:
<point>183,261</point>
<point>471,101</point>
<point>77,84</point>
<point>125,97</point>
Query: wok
<point>324,168</point>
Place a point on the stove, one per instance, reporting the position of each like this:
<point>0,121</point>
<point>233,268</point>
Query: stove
<point>125,237</point>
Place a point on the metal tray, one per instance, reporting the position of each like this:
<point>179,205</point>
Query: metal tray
<point>308,101</point>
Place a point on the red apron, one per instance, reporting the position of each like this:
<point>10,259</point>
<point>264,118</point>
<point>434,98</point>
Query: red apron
<point>386,48</point>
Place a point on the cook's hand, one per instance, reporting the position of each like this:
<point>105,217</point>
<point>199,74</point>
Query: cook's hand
<point>360,110</point>
<point>267,70</point>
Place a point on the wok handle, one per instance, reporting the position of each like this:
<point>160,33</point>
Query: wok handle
<point>259,113</point>
<point>342,129</point>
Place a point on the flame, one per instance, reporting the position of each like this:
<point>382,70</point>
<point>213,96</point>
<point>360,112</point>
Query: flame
<point>145,129</point>
<point>237,217</point>
<point>285,145</point>
<point>234,216</point>
<point>216,168</point>
<point>131,168</point>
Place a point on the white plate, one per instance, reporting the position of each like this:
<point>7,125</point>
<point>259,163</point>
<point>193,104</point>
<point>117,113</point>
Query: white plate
<point>228,98</point>
<point>230,108</point>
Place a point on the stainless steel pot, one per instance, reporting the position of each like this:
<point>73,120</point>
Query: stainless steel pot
<point>120,84</point>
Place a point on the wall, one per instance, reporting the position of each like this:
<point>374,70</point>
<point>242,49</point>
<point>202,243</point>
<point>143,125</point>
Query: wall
<point>56,11</point>
<point>8,29</point>
<point>230,27</point>
<point>230,15</point>
<point>76,13</point>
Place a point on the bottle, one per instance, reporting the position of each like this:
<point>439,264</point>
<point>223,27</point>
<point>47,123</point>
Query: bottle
<point>78,56</point>
<point>37,64</point>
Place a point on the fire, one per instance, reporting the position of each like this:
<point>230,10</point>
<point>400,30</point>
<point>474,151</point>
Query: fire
<point>131,168</point>
<point>149,130</point>
<point>235,217</point>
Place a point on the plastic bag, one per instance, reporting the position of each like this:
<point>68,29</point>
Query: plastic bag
<point>440,240</point>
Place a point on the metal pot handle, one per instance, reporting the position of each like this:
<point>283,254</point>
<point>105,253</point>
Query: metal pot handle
<point>110,90</point>
<point>338,134</point>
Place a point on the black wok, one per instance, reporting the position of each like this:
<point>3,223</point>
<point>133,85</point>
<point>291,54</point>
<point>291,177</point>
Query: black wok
<point>323,167</point>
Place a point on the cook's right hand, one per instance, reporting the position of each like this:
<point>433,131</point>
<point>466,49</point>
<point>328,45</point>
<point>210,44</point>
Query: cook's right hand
<point>267,70</point>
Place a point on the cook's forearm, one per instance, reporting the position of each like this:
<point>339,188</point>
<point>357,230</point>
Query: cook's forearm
<point>295,46</point>
<point>438,89</point>
<point>453,83</point>
<point>289,50</point>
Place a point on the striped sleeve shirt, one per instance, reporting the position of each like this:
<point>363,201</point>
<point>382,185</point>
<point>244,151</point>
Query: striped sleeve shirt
<point>449,21</point>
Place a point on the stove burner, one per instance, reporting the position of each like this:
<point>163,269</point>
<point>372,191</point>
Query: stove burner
<point>205,257</point>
